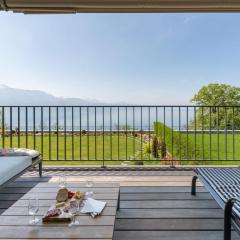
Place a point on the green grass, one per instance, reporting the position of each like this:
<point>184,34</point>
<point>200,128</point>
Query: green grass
<point>210,149</point>
<point>221,147</point>
<point>122,148</point>
<point>123,145</point>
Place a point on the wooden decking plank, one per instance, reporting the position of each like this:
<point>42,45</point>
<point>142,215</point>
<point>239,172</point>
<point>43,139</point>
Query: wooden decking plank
<point>158,204</point>
<point>164,196</point>
<point>170,235</point>
<point>169,224</point>
<point>107,196</point>
<point>54,184</point>
<point>74,189</point>
<point>83,220</point>
<point>124,179</point>
<point>2,210</point>
<point>33,179</point>
<point>6,204</point>
<point>156,184</point>
<point>23,211</point>
<point>60,232</point>
<point>10,197</point>
<point>49,202</point>
<point>22,184</point>
<point>15,190</point>
<point>152,189</point>
<point>170,213</point>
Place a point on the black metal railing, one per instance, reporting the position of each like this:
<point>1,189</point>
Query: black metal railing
<point>107,135</point>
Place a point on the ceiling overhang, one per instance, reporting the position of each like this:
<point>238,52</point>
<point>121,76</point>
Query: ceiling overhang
<point>121,6</point>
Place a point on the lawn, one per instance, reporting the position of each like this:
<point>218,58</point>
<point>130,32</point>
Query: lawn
<point>190,148</point>
<point>210,149</point>
<point>125,150</point>
<point>222,146</point>
<point>84,150</point>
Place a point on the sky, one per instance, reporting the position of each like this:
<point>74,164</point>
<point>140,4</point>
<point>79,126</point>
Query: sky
<point>120,58</point>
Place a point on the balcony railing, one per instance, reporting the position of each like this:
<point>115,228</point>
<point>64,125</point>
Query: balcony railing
<point>107,135</point>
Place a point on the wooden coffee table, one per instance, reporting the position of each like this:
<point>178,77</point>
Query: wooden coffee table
<point>14,221</point>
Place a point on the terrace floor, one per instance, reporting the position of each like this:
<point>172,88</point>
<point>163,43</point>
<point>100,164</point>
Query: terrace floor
<point>154,204</point>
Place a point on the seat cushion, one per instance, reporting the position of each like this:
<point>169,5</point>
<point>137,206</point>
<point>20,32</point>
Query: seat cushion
<point>6,152</point>
<point>11,166</point>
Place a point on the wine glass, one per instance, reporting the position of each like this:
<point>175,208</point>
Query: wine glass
<point>33,206</point>
<point>73,212</point>
<point>62,181</point>
<point>89,185</point>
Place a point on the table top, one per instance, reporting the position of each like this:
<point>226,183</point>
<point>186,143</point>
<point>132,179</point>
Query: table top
<point>14,221</point>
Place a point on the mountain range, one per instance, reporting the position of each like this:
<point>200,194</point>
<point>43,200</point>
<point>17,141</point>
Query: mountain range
<point>10,96</point>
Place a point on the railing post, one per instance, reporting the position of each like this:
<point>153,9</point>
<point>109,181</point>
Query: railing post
<point>103,121</point>
<point>3,128</point>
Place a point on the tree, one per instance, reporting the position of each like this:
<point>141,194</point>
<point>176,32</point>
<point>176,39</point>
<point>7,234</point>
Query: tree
<point>226,97</point>
<point>217,95</point>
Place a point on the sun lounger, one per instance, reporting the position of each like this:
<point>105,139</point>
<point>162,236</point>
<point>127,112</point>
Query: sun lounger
<point>223,183</point>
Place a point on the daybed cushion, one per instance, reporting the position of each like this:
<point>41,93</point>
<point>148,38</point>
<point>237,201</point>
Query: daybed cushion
<point>11,166</point>
<point>19,152</point>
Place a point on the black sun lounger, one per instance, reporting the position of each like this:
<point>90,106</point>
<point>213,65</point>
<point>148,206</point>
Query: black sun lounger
<point>223,183</point>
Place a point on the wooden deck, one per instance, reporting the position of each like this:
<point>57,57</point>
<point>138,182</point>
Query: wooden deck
<point>151,207</point>
<point>14,221</point>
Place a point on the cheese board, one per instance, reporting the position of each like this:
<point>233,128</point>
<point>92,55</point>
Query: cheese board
<point>66,202</point>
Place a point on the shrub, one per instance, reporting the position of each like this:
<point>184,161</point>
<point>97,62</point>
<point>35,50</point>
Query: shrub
<point>176,143</point>
<point>147,148</point>
<point>163,150</point>
<point>135,134</point>
<point>155,147</point>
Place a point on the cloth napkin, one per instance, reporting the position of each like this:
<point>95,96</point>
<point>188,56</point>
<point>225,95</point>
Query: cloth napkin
<point>94,207</point>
